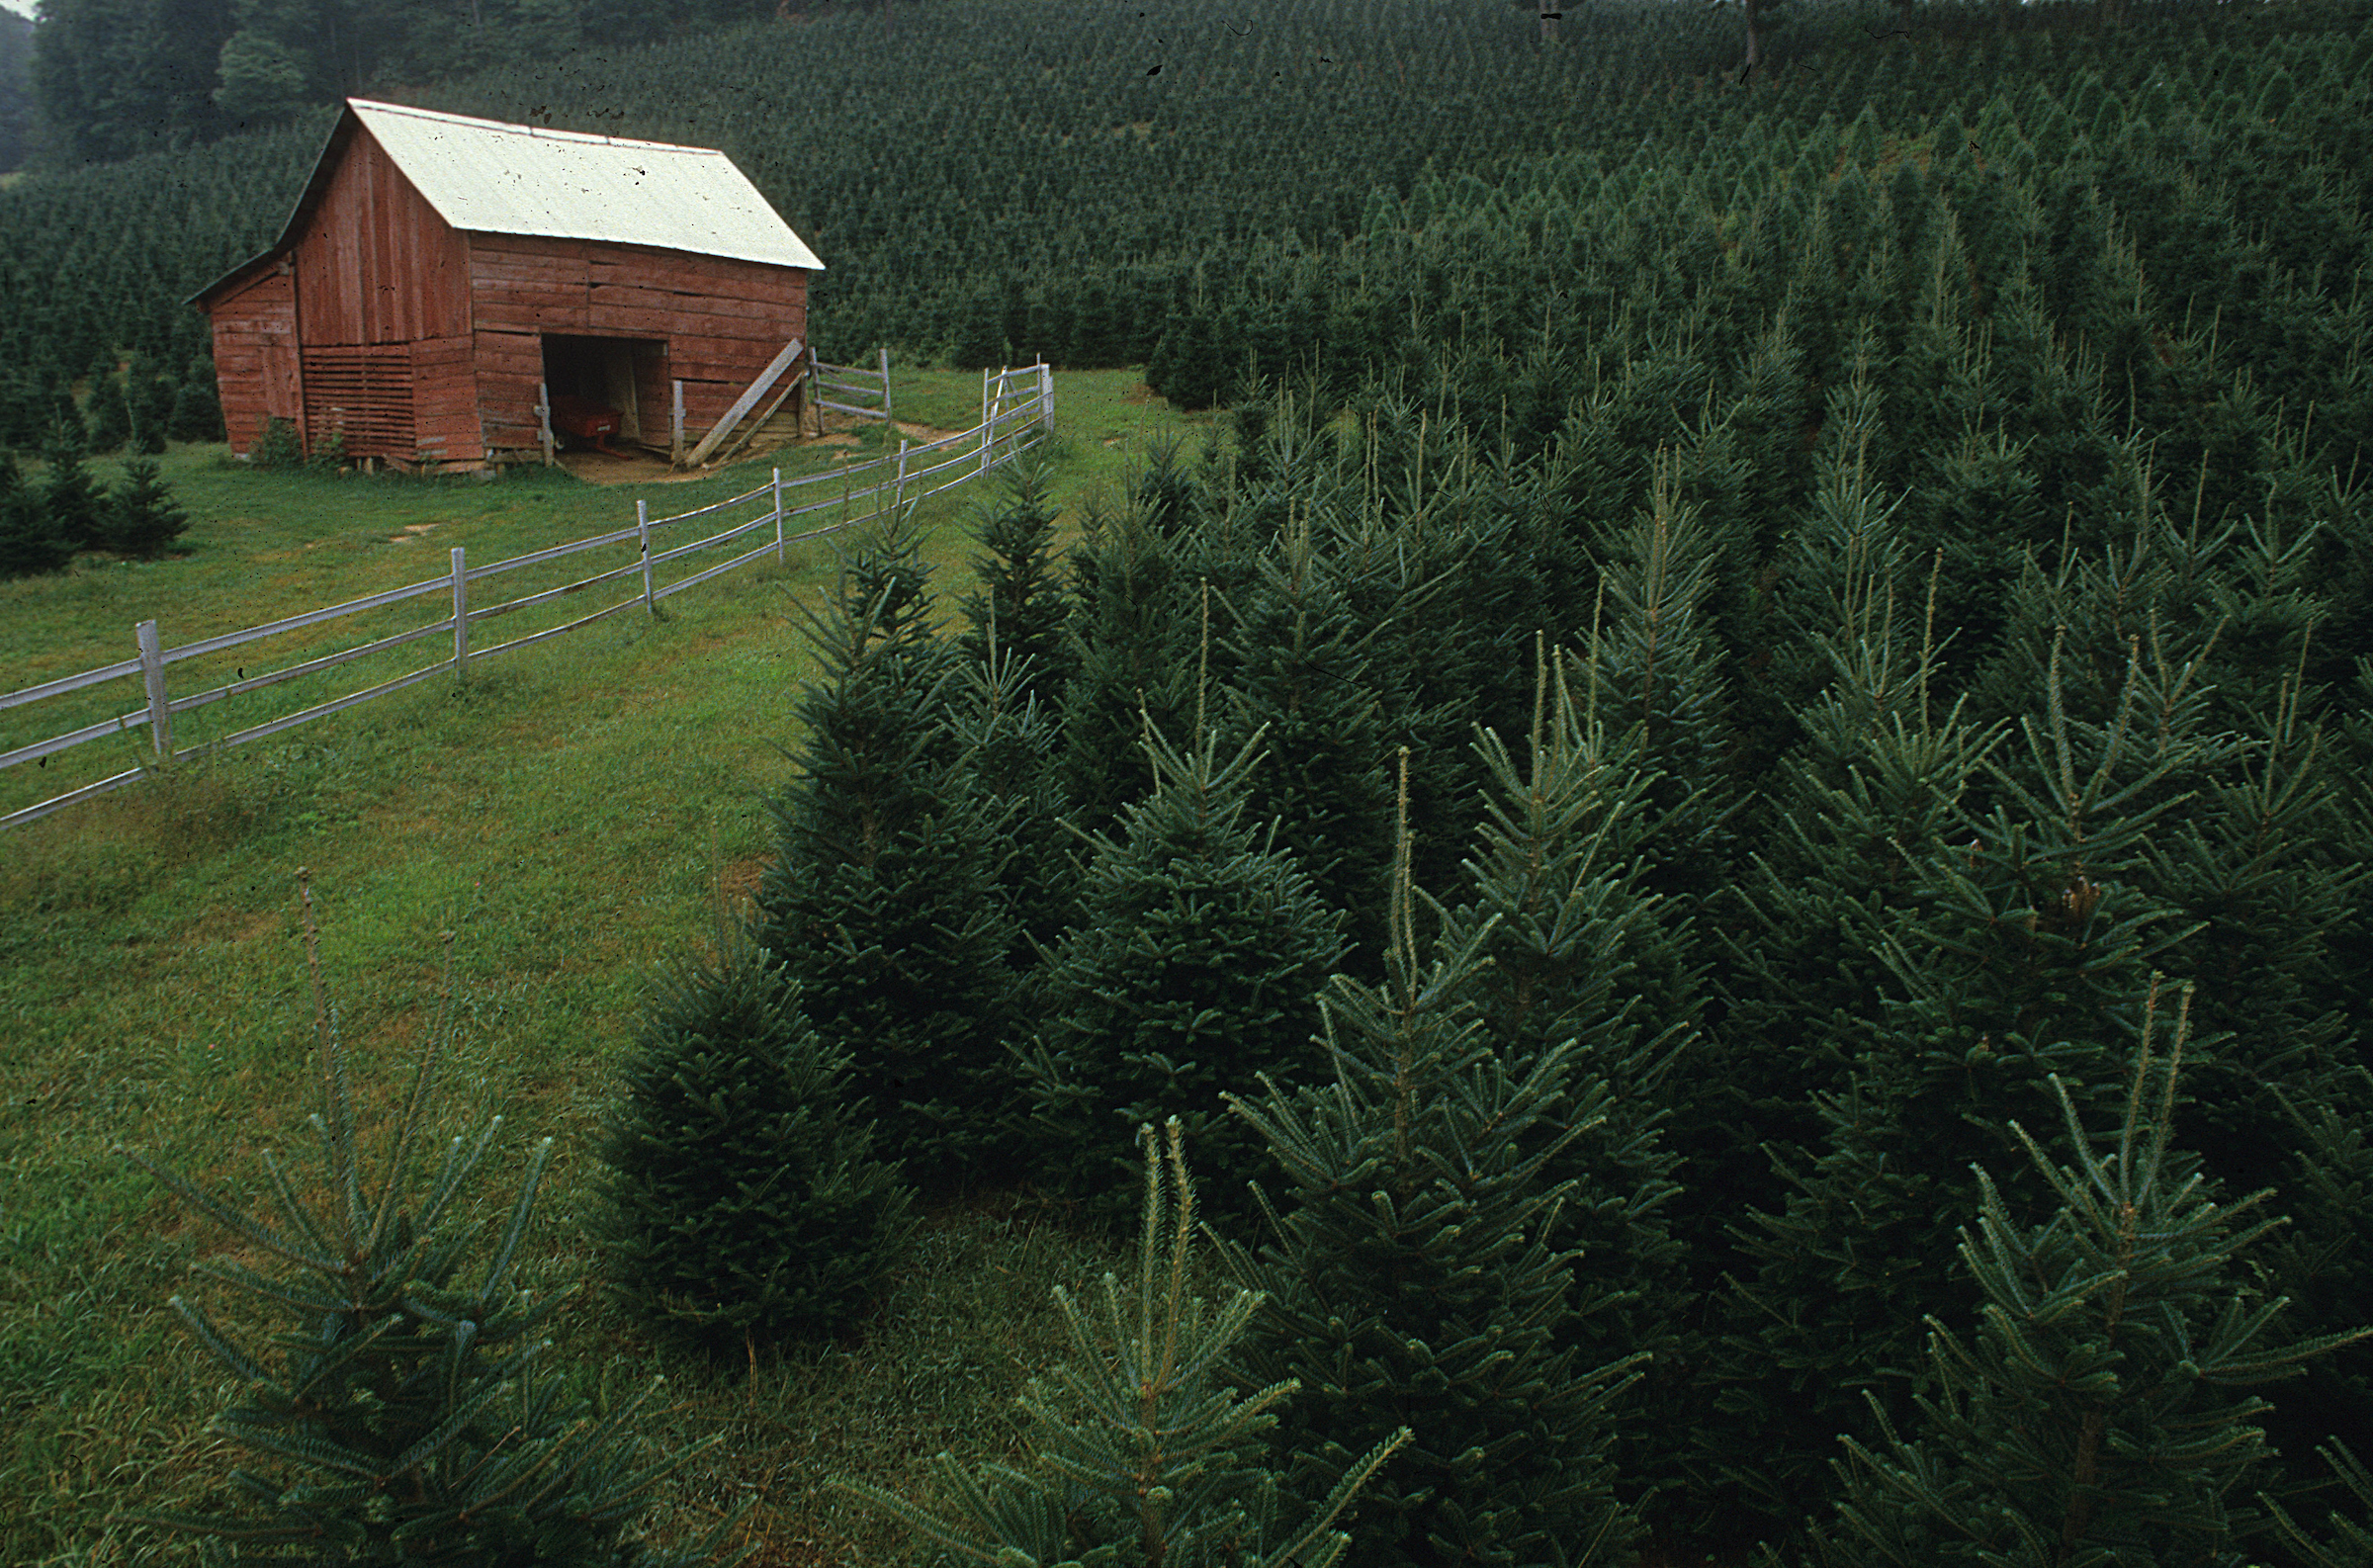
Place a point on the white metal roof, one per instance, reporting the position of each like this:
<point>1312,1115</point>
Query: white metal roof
<point>499,179</point>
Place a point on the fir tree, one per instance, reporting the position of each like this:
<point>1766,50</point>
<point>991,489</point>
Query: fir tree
<point>1575,952</point>
<point>1876,767</point>
<point>744,1204</point>
<point>108,414</point>
<point>1014,749</point>
<point>30,543</point>
<point>412,1408</point>
<point>197,405</point>
<point>149,397</point>
<point>1298,671</point>
<point>76,503</point>
<point>1008,712</point>
<point>1659,686</point>
<point>882,894</point>
<point>1416,1278</point>
<point>2092,1420</point>
<point>1200,949</point>
<point>1140,1458</point>
<point>1125,658</point>
<point>142,519</point>
<point>2022,946</point>
<point>1024,596</point>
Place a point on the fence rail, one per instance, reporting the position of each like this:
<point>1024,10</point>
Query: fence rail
<point>1016,408</point>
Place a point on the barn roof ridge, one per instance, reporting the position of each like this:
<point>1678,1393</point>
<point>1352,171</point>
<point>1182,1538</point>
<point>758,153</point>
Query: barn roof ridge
<point>495,177</point>
<point>540,132</point>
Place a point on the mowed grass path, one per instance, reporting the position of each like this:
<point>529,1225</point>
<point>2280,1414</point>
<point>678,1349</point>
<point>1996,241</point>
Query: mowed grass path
<point>574,815</point>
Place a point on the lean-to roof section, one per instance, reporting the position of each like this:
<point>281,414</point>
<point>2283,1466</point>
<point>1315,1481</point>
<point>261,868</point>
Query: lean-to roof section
<point>503,179</point>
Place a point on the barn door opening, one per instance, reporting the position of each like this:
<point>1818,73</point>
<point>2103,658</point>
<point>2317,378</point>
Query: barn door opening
<point>593,383</point>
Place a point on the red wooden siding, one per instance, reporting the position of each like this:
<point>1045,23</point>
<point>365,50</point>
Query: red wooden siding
<point>375,263</point>
<point>723,321</point>
<point>255,356</point>
<point>445,401</point>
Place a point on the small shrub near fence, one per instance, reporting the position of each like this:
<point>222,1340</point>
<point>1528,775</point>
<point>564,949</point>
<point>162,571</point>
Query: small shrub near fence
<point>1015,406</point>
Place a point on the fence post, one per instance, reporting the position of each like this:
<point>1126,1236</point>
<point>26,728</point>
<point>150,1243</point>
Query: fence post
<point>885,383</point>
<point>675,438</point>
<point>778,517</point>
<point>1046,396</point>
<point>153,671</point>
<point>544,419</point>
<point>899,497</point>
<point>643,532</point>
<point>461,618</point>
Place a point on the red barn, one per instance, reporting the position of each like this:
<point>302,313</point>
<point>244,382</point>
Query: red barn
<point>442,276</point>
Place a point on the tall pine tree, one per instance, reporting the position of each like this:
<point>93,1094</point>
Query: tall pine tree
<point>2018,958</point>
<point>882,896</point>
<point>1199,950</point>
<point>1417,1278</point>
<point>1573,952</point>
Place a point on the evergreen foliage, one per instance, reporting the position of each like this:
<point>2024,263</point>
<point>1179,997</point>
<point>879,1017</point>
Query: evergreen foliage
<point>107,411</point>
<point>1200,948</point>
<point>1417,1278</point>
<point>197,411</point>
<point>2351,1543</point>
<point>2024,943</point>
<point>412,1410</point>
<point>1573,955</point>
<point>1125,670</point>
<point>1300,673</point>
<point>142,519</point>
<point>30,543</point>
<point>2093,1418</point>
<point>76,503</point>
<point>744,1204</point>
<point>882,896</point>
<point>1025,601</point>
<point>1140,1458</point>
<point>1007,716</point>
<point>1656,675</point>
<point>148,399</point>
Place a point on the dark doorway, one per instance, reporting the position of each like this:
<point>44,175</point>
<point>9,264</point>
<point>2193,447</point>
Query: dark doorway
<point>590,377</point>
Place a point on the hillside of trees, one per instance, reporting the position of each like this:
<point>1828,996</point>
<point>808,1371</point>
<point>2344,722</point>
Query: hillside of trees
<point>116,78</point>
<point>16,89</point>
<point>1754,655</point>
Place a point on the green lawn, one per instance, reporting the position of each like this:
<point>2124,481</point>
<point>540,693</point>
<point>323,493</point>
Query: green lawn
<point>570,814</point>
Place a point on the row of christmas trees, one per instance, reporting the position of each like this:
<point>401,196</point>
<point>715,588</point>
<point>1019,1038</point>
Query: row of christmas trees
<point>1950,898</point>
<point>44,525</point>
<point>136,410</point>
<point>1774,945</point>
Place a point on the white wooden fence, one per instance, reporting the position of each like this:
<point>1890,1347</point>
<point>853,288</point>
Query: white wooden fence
<point>1015,406</point>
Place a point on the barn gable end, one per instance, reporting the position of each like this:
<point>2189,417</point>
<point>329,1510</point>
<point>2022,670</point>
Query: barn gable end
<point>377,320</point>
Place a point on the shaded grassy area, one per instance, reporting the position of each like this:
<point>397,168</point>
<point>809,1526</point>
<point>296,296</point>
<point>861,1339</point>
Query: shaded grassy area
<point>570,814</point>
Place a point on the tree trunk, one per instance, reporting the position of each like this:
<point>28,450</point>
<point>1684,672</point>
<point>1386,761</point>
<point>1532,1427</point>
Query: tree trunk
<point>1754,39</point>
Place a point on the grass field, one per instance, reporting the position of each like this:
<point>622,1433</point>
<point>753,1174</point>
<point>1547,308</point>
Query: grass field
<point>570,814</point>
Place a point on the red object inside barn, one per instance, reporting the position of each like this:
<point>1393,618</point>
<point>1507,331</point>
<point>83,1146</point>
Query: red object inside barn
<point>589,421</point>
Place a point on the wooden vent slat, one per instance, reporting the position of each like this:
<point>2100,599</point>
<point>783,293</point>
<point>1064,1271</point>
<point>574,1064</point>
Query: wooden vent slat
<point>365,393</point>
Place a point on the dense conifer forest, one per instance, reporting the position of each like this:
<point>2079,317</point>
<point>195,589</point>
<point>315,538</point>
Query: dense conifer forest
<point>1731,805</point>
